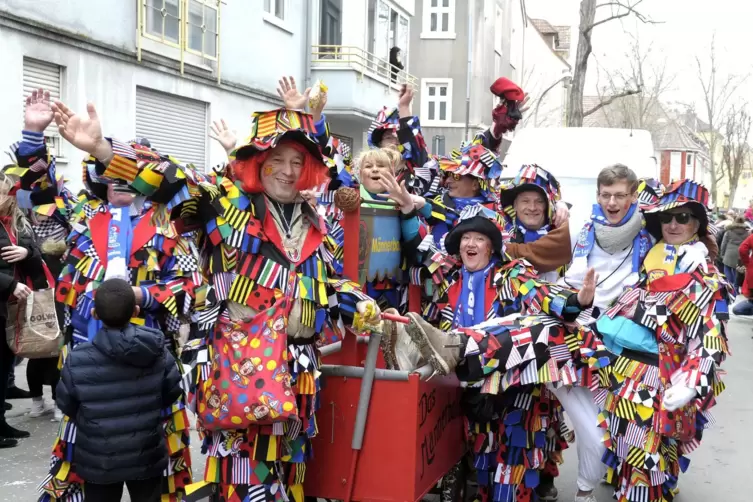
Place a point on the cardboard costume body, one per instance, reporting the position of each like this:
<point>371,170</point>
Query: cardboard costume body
<point>273,296</point>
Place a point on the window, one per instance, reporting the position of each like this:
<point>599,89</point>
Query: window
<point>202,27</point>
<point>190,25</point>
<point>689,159</point>
<point>387,28</point>
<point>436,101</point>
<point>49,77</point>
<point>330,32</point>
<point>275,7</point>
<point>174,125</point>
<point>163,20</point>
<point>438,19</point>
<point>275,12</point>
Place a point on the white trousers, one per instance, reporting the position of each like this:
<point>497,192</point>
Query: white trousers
<point>583,413</point>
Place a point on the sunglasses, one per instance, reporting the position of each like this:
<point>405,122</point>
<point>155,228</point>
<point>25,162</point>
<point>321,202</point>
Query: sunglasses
<point>454,176</point>
<point>680,218</point>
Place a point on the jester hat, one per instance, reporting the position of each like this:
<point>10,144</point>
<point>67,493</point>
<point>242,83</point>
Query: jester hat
<point>679,194</point>
<point>476,218</point>
<point>268,129</point>
<point>531,177</point>
<point>472,160</point>
<point>387,119</point>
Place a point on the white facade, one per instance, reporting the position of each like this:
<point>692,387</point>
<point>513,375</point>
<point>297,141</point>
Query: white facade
<point>95,47</point>
<point>543,75</point>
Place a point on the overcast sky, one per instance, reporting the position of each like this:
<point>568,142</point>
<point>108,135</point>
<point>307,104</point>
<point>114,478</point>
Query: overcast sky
<point>686,31</point>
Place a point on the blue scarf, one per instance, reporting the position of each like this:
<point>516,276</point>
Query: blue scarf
<point>462,202</point>
<point>531,235</point>
<point>471,307</point>
<point>587,237</point>
<point>119,238</point>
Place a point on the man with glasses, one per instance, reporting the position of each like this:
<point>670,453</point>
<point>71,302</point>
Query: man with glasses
<point>614,242</point>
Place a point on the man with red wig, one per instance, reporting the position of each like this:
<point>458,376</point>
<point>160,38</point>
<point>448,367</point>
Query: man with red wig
<point>274,292</point>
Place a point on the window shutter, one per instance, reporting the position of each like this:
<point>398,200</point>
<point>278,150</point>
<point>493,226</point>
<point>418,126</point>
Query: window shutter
<point>174,125</point>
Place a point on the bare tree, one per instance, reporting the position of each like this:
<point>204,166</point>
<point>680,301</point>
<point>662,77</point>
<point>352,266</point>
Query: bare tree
<point>717,92</point>
<point>543,113</point>
<point>642,110</point>
<point>618,9</point>
<point>735,149</point>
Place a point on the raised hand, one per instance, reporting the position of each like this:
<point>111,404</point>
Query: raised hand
<point>404,101</point>
<point>561,214</point>
<point>588,291</point>
<point>38,113</point>
<point>397,193</point>
<point>220,132</point>
<point>83,132</point>
<point>293,99</point>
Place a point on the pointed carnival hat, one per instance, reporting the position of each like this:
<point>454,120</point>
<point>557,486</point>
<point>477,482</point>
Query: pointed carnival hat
<point>269,128</point>
<point>387,119</point>
<point>681,193</point>
<point>531,177</point>
<point>477,218</point>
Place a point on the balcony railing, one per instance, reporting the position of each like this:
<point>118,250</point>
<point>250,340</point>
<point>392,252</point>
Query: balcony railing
<point>342,56</point>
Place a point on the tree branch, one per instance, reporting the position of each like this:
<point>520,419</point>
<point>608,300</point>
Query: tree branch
<point>629,9</point>
<point>611,100</point>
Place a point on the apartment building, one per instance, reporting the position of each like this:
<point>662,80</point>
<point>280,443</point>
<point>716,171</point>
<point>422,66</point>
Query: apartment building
<point>163,69</point>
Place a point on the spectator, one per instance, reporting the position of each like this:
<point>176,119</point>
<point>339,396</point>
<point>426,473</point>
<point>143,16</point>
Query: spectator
<point>749,211</point>
<point>745,307</point>
<point>734,235</point>
<point>396,62</point>
<point>19,258</point>
<point>114,388</point>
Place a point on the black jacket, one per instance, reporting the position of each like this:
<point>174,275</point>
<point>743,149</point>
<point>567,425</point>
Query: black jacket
<point>29,269</point>
<point>734,235</point>
<point>114,389</point>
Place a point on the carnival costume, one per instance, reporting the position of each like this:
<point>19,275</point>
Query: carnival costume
<point>161,262</point>
<point>275,293</point>
<point>504,360</point>
<point>656,355</point>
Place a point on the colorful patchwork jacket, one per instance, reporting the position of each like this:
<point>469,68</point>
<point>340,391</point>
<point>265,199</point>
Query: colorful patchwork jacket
<point>241,249</point>
<point>163,263</point>
<point>689,313</point>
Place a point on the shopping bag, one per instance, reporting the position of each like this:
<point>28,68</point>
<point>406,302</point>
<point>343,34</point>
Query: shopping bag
<point>32,329</point>
<point>248,382</point>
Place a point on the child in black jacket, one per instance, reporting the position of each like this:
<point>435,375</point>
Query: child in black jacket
<point>114,389</point>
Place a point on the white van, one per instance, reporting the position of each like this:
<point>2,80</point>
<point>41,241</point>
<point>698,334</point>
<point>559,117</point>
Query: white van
<point>575,155</point>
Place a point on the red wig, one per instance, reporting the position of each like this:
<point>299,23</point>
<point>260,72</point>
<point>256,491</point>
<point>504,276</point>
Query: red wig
<point>313,173</point>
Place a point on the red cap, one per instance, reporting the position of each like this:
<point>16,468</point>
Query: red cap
<point>507,89</point>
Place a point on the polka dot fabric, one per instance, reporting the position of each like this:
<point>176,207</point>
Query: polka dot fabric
<point>248,382</point>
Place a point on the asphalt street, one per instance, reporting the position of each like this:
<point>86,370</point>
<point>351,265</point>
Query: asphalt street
<point>720,469</point>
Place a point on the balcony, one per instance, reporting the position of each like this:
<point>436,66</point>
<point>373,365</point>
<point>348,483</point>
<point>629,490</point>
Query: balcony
<point>360,83</point>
